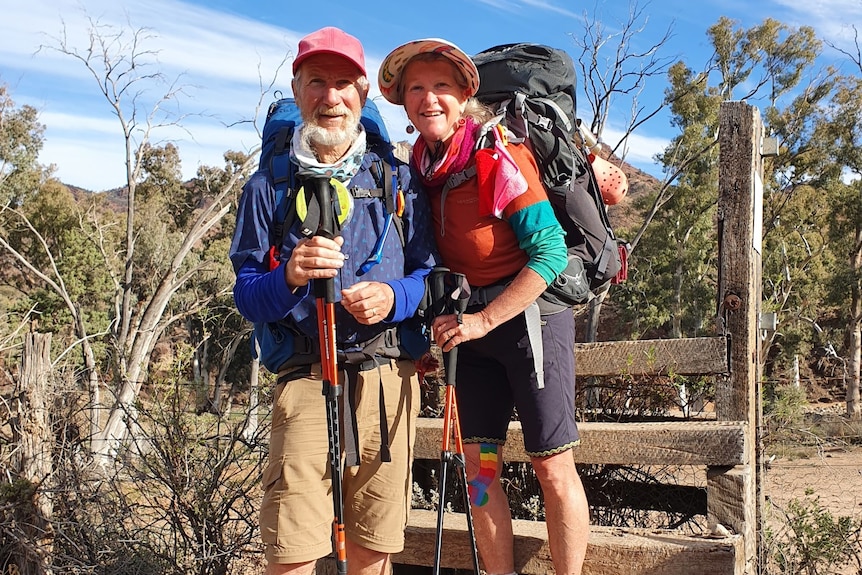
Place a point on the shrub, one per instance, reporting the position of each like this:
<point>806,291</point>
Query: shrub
<point>811,541</point>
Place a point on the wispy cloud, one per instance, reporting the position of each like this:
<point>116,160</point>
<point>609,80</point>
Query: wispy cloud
<point>220,58</point>
<point>832,19</point>
<point>221,67</point>
<point>640,150</point>
<point>516,6</point>
<point>511,6</point>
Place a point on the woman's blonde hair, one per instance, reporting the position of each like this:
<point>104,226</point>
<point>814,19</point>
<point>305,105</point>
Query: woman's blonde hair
<point>475,109</point>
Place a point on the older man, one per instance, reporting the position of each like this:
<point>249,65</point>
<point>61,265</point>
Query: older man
<point>330,87</point>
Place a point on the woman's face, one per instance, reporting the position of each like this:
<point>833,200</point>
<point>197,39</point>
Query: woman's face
<point>433,99</point>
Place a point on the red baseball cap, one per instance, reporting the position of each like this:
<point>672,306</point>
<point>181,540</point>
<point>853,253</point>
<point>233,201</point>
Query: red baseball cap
<point>331,40</point>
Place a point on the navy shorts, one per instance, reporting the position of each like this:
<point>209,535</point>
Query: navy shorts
<point>495,375</point>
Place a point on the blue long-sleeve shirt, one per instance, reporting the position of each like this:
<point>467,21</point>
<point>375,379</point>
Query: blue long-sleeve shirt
<point>262,295</point>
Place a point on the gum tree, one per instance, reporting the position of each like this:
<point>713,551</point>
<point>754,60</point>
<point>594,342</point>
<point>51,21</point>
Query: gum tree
<point>152,265</point>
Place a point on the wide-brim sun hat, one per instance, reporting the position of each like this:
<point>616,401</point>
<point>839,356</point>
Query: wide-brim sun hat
<point>389,75</point>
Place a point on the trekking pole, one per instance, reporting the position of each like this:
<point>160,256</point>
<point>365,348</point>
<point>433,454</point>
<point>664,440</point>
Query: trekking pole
<point>324,293</point>
<point>451,299</point>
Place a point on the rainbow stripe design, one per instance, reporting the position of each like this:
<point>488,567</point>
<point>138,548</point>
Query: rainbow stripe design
<point>478,486</point>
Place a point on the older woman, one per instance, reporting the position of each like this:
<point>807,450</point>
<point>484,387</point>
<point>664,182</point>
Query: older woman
<point>493,222</point>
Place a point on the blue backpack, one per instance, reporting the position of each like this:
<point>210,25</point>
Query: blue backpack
<point>281,120</point>
<point>283,116</point>
<point>275,340</point>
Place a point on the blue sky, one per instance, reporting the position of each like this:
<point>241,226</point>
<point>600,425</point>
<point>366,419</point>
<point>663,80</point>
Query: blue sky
<point>221,50</point>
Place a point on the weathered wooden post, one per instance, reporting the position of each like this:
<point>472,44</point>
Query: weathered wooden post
<point>735,494</point>
<point>31,433</point>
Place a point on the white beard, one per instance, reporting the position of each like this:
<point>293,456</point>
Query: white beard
<point>315,135</point>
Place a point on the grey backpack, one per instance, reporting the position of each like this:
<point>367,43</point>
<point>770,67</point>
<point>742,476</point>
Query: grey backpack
<point>533,87</point>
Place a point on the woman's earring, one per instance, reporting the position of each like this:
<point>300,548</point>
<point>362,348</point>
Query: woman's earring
<point>410,129</point>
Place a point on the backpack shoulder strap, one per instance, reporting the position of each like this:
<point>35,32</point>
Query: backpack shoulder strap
<point>484,140</point>
<point>386,176</point>
<point>283,174</point>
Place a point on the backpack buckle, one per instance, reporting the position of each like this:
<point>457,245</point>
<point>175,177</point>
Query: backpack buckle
<point>542,121</point>
<point>459,178</point>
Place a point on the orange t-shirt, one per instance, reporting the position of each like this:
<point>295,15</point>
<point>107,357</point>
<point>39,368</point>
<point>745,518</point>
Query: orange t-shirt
<point>484,248</point>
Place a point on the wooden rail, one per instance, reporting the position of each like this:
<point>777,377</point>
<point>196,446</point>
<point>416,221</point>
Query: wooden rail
<point>721,446</point>
<point>709,443</point>
<point>686,356</point>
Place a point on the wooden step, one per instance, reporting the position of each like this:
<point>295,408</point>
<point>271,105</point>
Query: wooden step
<point>611,550</point>
<point>710,443</point>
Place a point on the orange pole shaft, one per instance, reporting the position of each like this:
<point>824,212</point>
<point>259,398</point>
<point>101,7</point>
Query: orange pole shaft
<point>329,369</point>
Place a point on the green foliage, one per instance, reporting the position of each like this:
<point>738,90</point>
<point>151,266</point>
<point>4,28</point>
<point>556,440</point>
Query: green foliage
<point>784,406</point>
<point>770,55</point>
<point>813,215</point>
<point>673,266</point>
<point>163,187</point>
<point>21,139</point>
<point>811,540</point>
<point>19,491</point>
<point>53,232</point>
<point>812,210</point>
<point>126,279</point>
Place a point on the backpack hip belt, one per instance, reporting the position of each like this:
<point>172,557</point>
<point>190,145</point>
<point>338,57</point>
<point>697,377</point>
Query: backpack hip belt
<point>384,345</point>
<point>486,294</point>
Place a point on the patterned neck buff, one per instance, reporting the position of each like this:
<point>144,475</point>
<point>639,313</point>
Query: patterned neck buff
<point>343,170</point>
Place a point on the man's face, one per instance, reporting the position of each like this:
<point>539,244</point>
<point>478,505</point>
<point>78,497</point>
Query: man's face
<point>329,98</point>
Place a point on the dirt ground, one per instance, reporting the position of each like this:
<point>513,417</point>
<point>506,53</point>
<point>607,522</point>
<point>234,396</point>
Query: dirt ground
<point>833,476</point>
<point>828,473</point>
<point>826,468</point>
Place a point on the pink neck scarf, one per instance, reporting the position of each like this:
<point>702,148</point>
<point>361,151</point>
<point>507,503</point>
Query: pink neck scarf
<point>435,169</point>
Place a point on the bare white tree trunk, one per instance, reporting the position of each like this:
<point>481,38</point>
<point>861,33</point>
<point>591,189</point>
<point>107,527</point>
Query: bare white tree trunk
<point>250,430</point>
<point>52,278</point>
<point>854,409</point>
<point>204,359</point>
<point>118,63</point>
<point>796,382</point>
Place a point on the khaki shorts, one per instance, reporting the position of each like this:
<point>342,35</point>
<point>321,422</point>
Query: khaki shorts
<point>297,511</point>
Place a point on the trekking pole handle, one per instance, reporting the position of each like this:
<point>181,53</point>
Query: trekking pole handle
<point>458,306</point>
<point>322,190</point>
<point>450,361</point>
<point>437,291</point>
